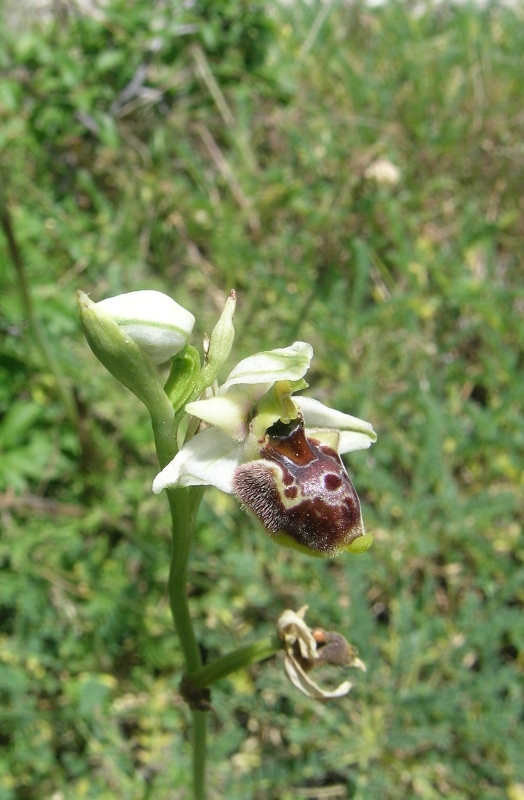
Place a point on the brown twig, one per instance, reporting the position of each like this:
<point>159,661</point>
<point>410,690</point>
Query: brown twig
<point>227,173</point>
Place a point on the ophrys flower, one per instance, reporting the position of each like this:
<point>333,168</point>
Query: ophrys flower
<point>280,454</point>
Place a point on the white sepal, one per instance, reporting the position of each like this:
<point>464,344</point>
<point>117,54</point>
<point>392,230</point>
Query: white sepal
<point>283,364</point>
<point>317,415</point>
<point>211,458</point>
<point>352,440</point>
<point>302,681</point>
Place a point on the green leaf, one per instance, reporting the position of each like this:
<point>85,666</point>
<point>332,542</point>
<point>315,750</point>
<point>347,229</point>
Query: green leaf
<point>17,422</point>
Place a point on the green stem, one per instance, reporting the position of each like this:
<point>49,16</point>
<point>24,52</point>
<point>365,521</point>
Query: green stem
<point>199,754</point>
<point>237,659</point>
<point>164,431</point>
<point>183,504</point>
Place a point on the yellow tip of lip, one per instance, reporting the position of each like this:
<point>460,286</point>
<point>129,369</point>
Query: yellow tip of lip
<point>361,544</point>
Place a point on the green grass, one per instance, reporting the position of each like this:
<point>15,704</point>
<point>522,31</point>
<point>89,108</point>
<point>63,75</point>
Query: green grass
<point>412,298</point>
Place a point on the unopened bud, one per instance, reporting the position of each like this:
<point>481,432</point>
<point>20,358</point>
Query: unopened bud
<point>218,346</point>
<point>119,353</point>
<point>158,325</point>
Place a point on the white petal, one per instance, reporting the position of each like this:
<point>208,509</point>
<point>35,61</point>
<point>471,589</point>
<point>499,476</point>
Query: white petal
<point>159,325</point>
<point>210,457</point>
<point>283,364</point>
<point>228,412</point>
<point>302,681</point>
<point>352,440</point>
<point>320,416</point>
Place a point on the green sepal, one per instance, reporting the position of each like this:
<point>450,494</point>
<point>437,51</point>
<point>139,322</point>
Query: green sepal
<point>185,368</point>
<point>120,355</point>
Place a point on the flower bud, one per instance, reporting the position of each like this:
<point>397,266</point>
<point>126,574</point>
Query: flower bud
<point>158,325</point>
<point>119,354</point>
<point>218,347</point>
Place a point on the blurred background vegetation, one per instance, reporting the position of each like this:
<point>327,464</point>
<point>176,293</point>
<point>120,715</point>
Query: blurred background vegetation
<point>193,147</point>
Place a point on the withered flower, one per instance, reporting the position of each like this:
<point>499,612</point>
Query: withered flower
<point>306,648</point>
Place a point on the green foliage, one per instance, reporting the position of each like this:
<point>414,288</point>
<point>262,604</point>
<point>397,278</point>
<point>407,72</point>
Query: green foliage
<point>196,148</point>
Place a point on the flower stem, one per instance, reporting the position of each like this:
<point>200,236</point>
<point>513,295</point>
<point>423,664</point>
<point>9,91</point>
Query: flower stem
<point>164,432</point>
<point>183,504</point>
<point>199,754</point>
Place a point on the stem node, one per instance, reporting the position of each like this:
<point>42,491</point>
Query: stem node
<point>197,699</point>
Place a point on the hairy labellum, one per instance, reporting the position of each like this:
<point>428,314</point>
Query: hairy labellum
<point>300,491</point>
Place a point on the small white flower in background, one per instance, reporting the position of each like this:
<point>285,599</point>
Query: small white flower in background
<point>154,321</point>
<point>383,171</point>
<point>279,454</point>
<point>306,648</point>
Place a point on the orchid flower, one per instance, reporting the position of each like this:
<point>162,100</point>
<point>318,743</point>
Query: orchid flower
<point>279,454</point>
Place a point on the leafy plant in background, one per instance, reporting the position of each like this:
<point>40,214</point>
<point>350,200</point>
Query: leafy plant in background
<point>279,455</point>
<point>214,172</point>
